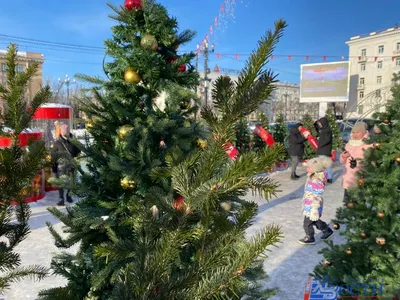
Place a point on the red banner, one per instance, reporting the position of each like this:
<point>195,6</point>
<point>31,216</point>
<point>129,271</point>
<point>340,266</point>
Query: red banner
<point>264,135</point>
<point>311,139</point>
<point>231,151</point>
<point>50,113</point>
<point>23,138</point>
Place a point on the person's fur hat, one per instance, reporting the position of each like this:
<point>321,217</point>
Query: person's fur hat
<point>319,164</point>
<point>359,126</point>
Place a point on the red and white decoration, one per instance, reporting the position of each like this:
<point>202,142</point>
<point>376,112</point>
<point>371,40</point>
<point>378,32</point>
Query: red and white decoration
<point>264,135</point>
<point>311,139</point>
<point>232,152</point>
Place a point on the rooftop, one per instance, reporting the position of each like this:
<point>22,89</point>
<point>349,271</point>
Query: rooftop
<point>24,54</point>
<point>395,29</point>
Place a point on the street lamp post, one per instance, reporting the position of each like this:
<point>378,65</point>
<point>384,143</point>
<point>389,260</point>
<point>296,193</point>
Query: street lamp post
<point>67,81</point>
<point>206,51</point>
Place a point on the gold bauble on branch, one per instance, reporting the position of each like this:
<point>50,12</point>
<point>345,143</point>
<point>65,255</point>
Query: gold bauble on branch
<point>377,145</point>
<point>336,226</point>
<point>363,235</point>
<point>361,182</point>
<point>386,121</point>
<point>131,76</point>
<point>381,215</point>
<point>397,159</point>
<point>226,205</point>
<point>202,143</point>
<point>48,158</point>
<point>127,183</point>
<point>124,130</point>
<point>350,204</point>
<point>380,241</point>
<point>348,251</point>
<point>154,211</point>
<point>149,42</point>
<point>3,179</point>
<point>326,262</point>
<point>25,192</point>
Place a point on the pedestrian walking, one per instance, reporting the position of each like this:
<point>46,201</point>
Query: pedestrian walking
<point>296,147</point>
<point>325,142</point>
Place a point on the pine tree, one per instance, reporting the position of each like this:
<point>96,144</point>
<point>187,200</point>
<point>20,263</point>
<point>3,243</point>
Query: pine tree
<point>163,218</point>
<point>337,137</point>
<point>371,217</point>
<point>259,144</point>
<point>243,138</point>
<point>308,123</point>
<point>18,167</point>
<point>281,133</point>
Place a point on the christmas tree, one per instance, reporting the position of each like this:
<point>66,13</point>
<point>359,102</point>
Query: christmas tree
<point>243,137</point>
<point>18,167</point>
<point>337,137</point>
<point>162,215</point>
<point>370,256</point>
<point>281,133</point>
<point>262,120</point>
<point>308,123</point>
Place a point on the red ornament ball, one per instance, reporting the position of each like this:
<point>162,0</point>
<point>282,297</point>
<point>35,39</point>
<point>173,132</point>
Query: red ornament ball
<point>182,68</point>
<point>179,203</point>
<point>131,4</point>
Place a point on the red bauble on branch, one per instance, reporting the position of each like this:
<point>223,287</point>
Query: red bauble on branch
<point>179,203</point>
<point>182,68</point>
<point>130,4</point>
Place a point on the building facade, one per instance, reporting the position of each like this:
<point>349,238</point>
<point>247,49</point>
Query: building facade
<point>23,59</point>
<point>374,58</point>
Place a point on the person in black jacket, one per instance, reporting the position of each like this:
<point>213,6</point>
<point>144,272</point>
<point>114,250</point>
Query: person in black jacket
<point>296,148</point>
<point>62,152</point>
<point>325,142</point>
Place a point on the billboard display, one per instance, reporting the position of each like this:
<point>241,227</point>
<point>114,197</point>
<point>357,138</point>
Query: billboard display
<point>325,82</point>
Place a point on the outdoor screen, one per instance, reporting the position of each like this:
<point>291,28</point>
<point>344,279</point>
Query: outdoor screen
<point>327,82</point>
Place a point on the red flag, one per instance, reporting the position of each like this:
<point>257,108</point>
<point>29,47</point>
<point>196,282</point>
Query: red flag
<point>307,57</point>
<point>215,20</point>
<point>313,142</point>
<point>324,57</point>
<point>376,57</point>
<point>236,56</point>
<point>264,135</point>
<point>222,8</point>
<point>231,151</point>
<point>359,58</point>
<point>218,55</point>
<point>272,56</point>
<point>211,30</point>
<point>393,57</point>
<point>216,69</point>
<point>289,57</point>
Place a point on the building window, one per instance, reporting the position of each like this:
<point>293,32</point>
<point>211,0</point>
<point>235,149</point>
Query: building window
<point>361,94</point>
<point>360,109</point>
<point>362,67</point>
<point>3,67</point>
<point>379,79</point>
<point>398,46</point>
<point>380,64</point>
<point>20,69</point>
<point>362,80</point>
<point>398,61</point>
<point>364,52</point>
<point>381,48</point>
<point>378,93</point>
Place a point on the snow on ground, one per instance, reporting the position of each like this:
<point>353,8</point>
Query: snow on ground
<point>288,265</point>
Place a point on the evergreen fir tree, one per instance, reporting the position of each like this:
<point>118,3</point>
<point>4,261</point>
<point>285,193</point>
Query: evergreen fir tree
<point>243,138</point>
<point>371,217</point>
<point>18,167</point>
<point>337,137</point>
<point>262,120</point>
<point>308,122</point>
<point>163,218</point>
<point>281,133</point>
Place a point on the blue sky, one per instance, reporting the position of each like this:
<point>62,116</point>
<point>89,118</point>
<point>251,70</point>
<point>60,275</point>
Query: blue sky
<point>316,28</point>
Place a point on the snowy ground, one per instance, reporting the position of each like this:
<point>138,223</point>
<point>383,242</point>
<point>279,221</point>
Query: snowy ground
<point>288,265</point>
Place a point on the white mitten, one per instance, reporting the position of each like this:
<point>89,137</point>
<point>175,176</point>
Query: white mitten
<point>314,214</point>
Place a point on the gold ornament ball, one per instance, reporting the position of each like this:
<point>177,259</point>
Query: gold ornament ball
<point>123,131</point>
<point>48,158</point>
<point>25,192</point>
<point>377,145</point>
<point>149,42</point>
<point>386,121</point>
<point>350,205</point>
<point>154,211</point>
<point>202,143</point>
<point>3,179</point>
<point>397,159</point>
<point>348,251</point>
<point>131,76</point>
<point>361,182</point>
<point>381,241</point>
<point>363,235</point>
<point>326,262</point>
<point>127,183</point>
<point>336,226</point>
<point>381,215</point>
<point>226,205</point>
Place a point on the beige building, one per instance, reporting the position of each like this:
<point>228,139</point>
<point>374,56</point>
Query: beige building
<point>374,58</point>
<point>24,59</point>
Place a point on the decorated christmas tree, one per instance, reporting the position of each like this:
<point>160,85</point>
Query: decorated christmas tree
<point>370,218</point>
<point>258,143</point>
<point>337,137</point>
<point>308,122</point>
<point>162,214</point>
<point>243,137</point>
<point>281,133</point>
<point>18,167</point>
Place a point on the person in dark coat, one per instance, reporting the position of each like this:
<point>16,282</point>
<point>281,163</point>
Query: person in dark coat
<point>325,142</point>
<point>62,153</point>
<point>296,147</point>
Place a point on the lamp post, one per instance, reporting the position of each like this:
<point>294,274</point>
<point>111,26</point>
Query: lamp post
<point>206,51</point>
<point>67,81</point>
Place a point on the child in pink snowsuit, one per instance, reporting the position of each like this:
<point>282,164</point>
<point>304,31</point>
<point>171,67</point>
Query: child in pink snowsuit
<point>312,200</point>
<point>354,152</point>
